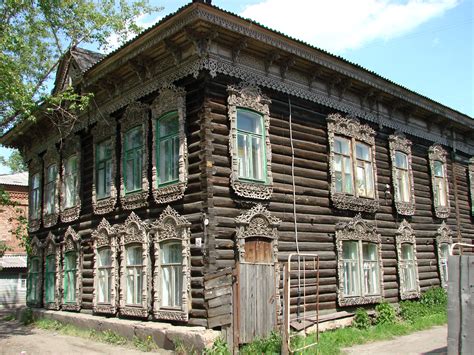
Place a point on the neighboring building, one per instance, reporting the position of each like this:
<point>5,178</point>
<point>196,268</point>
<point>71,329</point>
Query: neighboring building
<point>182,167</point>
<point>13,263</point>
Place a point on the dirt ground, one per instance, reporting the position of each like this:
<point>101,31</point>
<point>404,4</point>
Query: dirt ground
<point>16,339</point>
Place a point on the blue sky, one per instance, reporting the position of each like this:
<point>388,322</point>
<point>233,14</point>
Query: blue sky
<point>424,45</point>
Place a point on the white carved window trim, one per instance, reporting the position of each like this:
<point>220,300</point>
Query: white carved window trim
<point>72,243</point>
<point>52,248</point>
<point>133,232</point>
<point>249,97</point>
<point>36,251</point>
<point>437,153</point>
<point>51,157</point>
<point>170,99</point>
<point>406,235</point>
<point>72,146</point>
<point>352,129</point>
<point>103,131</point>
<point>136,115</point>
<point>399,143</point>
<point>35,167</point>
<point>105,236</point>
<point>443,236</point>
<point>471,182</point>
<point>361,231</point>
<point>170,226</point>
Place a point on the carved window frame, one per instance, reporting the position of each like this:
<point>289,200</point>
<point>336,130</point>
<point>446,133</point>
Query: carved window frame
<point>35,167</point>
<point>170,226</point>
<point>471,182</point>
<point>437,153</point>
<point>36,251</point>
<point>136,115</point>
<point>72,243</point>
<point>72,147</point>
<point>105,236</point>
<point>134,232</point>
<point>51,157</point>
<point>406,235</point>
<point>170,99</point>
<point>398,142</point>
<point>358,230</point>
<point>101,133</point>
<point>351,128</point>
<point>443,236</point>
<point>249,97</point>
<point>53,248</point>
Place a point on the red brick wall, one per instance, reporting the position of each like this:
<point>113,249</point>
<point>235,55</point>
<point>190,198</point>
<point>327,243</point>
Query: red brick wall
<point>8,214</point>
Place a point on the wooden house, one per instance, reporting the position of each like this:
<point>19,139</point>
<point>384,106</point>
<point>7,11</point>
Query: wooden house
<point>213,143</point>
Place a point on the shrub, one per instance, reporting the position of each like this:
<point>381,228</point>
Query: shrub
<point>412,310</point>
<point>270,345</point>
<point>26,316</point>
<point>218,348</point>
<point>385,313</point>
<point>361,319</point>
<point>436,296</point>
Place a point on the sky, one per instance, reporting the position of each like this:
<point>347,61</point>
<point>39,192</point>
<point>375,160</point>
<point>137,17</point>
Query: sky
<point>426,46</point>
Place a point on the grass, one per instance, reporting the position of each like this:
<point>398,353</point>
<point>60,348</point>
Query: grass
<point>9,317</point>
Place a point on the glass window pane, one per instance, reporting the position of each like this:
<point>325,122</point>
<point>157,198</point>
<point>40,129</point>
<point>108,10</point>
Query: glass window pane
<point>169,124</point>
<point>341,145</point>
<point>242,155</point>
<point>438,168</point>
<point>257,155</point>
<point>105,257</point>
<point>362,152</point>
<point>171,253</point>
<point>407,251</point>
<point>401,160</point>
<point>350,250</point>
<point>369,251</point>
<point>134,255</point>
<point>249,121</point>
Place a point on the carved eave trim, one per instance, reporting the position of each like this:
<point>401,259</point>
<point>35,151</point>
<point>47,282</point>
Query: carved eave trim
<point>257,222</point>
<point>351,128</point>
<point>398,142</point>
<point>405,234</point>
<point>105,236</point>
<point>71,147</point>
<point>72,243</point>
<point>471,182</point>
<point>36,251</point>
<point>171,226</point>
<point>359,230</point>
<point>437,153</point>
<point>443,236</point>
<point>104,130</point>
<point>51,157</point>
<point>170,99</point>
<point>34,167</point>
<point>249,97</point>
<point>135,115</point>
<point>133,231</point>
<point>52,248</point>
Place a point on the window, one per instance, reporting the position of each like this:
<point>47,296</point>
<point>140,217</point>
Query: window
<point>50,279</point>
<point>443,240</point>
<point>34,210</point>
<point>70,270</point>
<point>22,282</point>
<point>33,280</point>
<point>249,142</point>
<point>50,189</point>
<point>35,197</point>
<point>439,180</point>
<point>352,164</point>
<point>134,276</point>
<point>103,169</point>
<point>105,268</point>
<point>359,263</point>
<point>402,180</point>
<point>407,262</point>
<point>70,181</point>
<point>169,171</point>
<point>133,160</point>
<point>172,274</point>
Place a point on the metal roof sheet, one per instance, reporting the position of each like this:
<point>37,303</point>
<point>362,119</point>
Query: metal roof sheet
<point>19,179</point>
<point>13,261</point>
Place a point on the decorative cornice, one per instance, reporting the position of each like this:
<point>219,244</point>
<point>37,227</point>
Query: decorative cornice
<point>437,153</point>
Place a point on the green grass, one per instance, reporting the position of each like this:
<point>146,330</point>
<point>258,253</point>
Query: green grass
<point>9,317</point>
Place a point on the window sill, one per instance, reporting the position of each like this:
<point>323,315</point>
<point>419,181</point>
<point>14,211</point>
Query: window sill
<point>405,208</point>
<point>355,301</point>
<point>353,203</point>
<point>69,214</point>
<point>171,314</point>
<point>169,192</point>
<point>442,211</point>
<point>252,189</point>
<point>407,295</point>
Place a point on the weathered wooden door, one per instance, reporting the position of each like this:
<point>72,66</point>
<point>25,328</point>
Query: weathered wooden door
<point>257,299</point>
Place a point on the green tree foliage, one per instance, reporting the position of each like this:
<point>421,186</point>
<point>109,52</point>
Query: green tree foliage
<point>35,34</point>
<point>15,162</point>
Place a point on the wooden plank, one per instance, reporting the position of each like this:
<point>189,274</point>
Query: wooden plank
<point>219,311</point>
<point>454,328</point>
<point>217,292</point>
<point>220,301</point>
<point>217,274</point>
<point>466,338</point>
<point>225,280</point>
<point>219,321</point>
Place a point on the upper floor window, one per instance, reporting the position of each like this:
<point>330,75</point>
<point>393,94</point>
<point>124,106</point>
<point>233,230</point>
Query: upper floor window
<point>34,210</point>
<point>70,205</point>
<point>402,174</point>
<point>103,169</point>
<point>407,262</point>
<point>439,180</point>
<point>352,164</point>
<point>50,188</point>
<point>249,142</point>
<point>35,204</point>
<point>133,159</point>
<point>70,181</point>
<point>167,146</point>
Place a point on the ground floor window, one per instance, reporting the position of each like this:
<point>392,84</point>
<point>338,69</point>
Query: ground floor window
<point>104,275</point>
<point>33,280</point>
<point>407,266</point>
<point>171,274</point>
<point>134,275</point>
<point>70,270</point>
<point>50,279</point>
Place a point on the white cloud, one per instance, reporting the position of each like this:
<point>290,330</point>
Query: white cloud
<point>338,25</point>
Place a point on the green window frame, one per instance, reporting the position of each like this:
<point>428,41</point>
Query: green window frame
<point>35,197</point>
<point>133,159</point>
<point>251,146</point>
<point>33,279</point>
<point>103,168</point>
<point>50,188</point>
<point>70,274</point>
<point>167,148</point>
<point>70,180</point>
<point>50,278</point>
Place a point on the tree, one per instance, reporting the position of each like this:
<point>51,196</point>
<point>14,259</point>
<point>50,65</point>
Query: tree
<point>15,162</point>
<point>36,34</point>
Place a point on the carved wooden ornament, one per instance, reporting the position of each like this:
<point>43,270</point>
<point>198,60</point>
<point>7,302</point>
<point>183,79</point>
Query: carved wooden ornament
<point>405,234</point>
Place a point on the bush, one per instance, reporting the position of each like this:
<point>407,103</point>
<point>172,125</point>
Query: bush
<point>412,310</point>
<point>361,319</point>
<point>26,316</point>
<point>270,345</point>
<point>385,313</point>
<point>436,296</point>
<point>218,348</point>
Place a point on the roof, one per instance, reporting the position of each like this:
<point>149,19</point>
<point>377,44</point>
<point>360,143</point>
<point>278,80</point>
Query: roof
<point>85,58</point>
<point>13,261</point>
<point>20,179</point>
